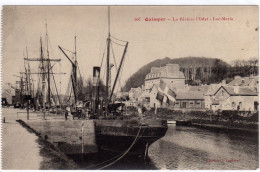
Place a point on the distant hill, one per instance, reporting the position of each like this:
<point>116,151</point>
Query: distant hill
<point>205,70</point>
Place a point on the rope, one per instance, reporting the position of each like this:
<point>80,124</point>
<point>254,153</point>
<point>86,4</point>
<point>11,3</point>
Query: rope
<point>117,43</point>
<point>69,96</point>
<point>117,39</point>
<point>35,51</point>
<point>123,153</point>
<point>115,64</point>
<point>79,72</point>
<point>56,88</point>
<point>110,158</point>
<point>68,50</point>
<point>51,48</point>
<point>103,57</point>
<point>114,156</point>
<point>101,65</point>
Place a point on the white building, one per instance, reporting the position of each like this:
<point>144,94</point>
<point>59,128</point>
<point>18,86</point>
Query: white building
<point>170,74</point>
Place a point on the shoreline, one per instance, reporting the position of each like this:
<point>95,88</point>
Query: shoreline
<point>224,128</point>
<point>219,121</point>
<point>53,158</point>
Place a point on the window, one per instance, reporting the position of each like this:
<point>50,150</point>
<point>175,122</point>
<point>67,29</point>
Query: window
<point>222,93</point>
<point>240,105</point>
<point>233,105</point>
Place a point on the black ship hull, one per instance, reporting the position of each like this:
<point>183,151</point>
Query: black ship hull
<point>124,137</point>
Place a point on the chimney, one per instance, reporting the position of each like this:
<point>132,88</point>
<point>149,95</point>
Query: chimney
<point>223,82</point>
<point>236,89</point>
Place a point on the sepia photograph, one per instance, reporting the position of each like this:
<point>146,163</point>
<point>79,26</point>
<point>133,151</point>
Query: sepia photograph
<point>108,87</point>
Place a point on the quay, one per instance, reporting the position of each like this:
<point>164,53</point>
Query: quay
<point>19,147</point>
<point>70,136</point>
<point>22,149</point>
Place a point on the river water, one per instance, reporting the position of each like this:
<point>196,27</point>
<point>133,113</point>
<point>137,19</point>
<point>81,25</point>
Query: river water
<point>182,148</point>
<point>189,148</point>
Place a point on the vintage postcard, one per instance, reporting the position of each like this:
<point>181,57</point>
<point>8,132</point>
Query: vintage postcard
<point>130,87</point>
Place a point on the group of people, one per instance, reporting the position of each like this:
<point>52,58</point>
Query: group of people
<point>80,113</point>
<point>112,112</point>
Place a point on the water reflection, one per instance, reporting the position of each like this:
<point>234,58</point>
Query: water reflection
<point>187,148</point>
<point>99,160</point>
<point>194,148</point>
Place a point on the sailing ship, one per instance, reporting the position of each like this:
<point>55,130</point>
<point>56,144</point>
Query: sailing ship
<point>108,129</point>
<point>46,97</point>
<point>116,131</point>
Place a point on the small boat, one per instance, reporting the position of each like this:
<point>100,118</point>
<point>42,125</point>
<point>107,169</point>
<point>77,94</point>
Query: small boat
<point>171,122</point>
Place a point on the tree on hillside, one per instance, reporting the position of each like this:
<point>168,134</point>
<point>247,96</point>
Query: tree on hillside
<point>198,70</point>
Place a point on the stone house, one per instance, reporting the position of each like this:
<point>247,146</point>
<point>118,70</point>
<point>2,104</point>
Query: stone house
<point>170,74</point>
<point>189,100</point>
<point>234,98</point>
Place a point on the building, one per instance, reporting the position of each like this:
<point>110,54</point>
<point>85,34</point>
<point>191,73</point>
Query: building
<point>170,74</point>
<point>234,98</point>
<point>7,95</point>
<point>161,95</point>
<point>251,81</point>
<point>144,98</point>
<point>209,96</point>
<point>134,92</point>
<point>189,100</point>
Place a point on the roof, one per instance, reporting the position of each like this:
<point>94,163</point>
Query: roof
<point>189,95</point>
<point>137,94</point>
<point>132,90</point>
<point>212,89</point>
<point>244,81</point>
<point>168,71</point>
<point>144,95</point>
<point>203,88</point>
<point>241,91</point>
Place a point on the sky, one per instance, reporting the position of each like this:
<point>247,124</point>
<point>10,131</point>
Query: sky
<point>204,36</point>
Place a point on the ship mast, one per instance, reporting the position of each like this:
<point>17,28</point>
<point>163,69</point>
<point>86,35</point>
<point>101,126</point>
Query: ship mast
<point>109,93</point>
<point>43,75</point>
<point>48,69</point>
<point>74,71</point>
<point>29,76</point>
<point>45,69</point>
<point>108,63</point>
<point>75,74</point>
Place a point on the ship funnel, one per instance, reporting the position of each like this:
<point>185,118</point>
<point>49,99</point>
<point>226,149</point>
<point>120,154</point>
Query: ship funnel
<point>95,96</point>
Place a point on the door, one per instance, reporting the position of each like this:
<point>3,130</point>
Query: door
<point>183,105</point>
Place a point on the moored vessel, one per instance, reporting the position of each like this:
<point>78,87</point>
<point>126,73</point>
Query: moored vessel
<point>114,130</point>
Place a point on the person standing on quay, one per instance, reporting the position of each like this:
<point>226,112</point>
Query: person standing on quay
<point>66,114</point>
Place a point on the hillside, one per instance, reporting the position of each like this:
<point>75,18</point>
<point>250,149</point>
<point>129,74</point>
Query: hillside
<point>196,70</point>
